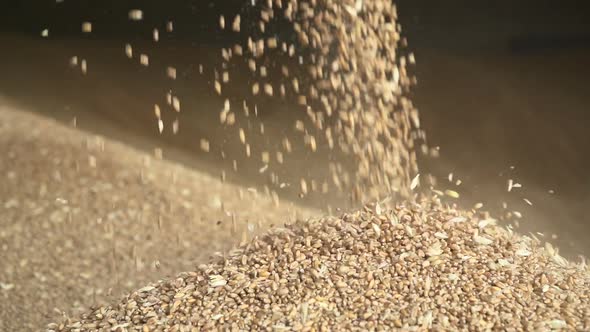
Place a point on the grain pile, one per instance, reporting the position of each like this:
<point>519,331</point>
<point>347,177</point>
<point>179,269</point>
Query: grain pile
<point>84,219</point>
<point>415,266</point>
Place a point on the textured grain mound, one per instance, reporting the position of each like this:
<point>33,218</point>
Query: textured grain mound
<point>84,220</point>
<point>415,266</point>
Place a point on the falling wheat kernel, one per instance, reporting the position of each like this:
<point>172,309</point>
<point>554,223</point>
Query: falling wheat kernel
<point>236,23</point>
<point>265,156</point>
<point>252,65</point>
<point>136,15</point>
<point>271,43</point>
<point>175,126</point>
<point>160,125</point>
<point>452,193</point>
<point>218,87</point>
<point>128,51</point>
<point>157,111</point>
<point>303,186</point>
<point>242,136</point>
<point>144,60</point>
<point>299,125</point>
<point>176,104</point>
<point>171,72</point>
<point>204,145</point>
<point>415,182</point>
<point>86,27</point>
<point>84,66</point>
<point>268,89</point>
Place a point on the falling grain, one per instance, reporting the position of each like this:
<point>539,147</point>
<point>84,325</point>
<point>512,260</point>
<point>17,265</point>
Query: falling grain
<point>204,145</point>
<point>415,182</point>
<point>144,60</point>
<point>87,27</point>
<point>236,23</point>
<point>136,15</point>
<point>171,72</point>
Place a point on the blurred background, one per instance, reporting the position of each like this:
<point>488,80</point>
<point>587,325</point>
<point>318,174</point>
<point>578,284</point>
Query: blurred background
<point>502,89</point>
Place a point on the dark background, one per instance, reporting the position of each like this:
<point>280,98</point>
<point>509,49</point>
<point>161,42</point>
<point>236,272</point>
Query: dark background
<point>460,25</point>
<point>501,83</point>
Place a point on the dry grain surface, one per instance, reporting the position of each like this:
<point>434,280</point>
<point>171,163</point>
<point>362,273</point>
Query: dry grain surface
<point>414,266</point>
<point>83,219</point>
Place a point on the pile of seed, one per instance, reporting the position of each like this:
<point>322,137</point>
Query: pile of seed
<point>84,219</point>
<point>415,266</point>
